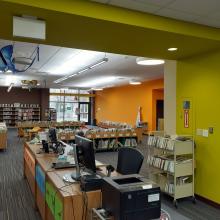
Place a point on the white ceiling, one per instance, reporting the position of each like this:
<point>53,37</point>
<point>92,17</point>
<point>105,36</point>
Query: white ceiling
<point>56,62</point>
<point>205,12</point>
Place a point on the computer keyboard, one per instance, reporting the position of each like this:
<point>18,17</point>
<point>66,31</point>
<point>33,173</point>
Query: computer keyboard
<point>61,165</point>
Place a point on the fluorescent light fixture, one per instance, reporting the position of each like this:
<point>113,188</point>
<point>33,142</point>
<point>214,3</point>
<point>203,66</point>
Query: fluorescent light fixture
<point>75,62</point>
<point>104,60</point>
<point>101,81</point>
<point>29,27</point>
<point>99,63</point>
<point>134,82</point>
<point>84,70</point>
<point>148,61</point>
<point>10,87</point>
<point>172,49</point>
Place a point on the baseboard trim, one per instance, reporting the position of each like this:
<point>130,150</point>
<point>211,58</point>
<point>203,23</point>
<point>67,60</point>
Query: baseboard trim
<point>208,201</point>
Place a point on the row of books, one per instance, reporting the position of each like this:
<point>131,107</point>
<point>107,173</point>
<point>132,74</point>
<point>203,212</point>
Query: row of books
<point>183,180</point>
<point>162,163</point>
<point>169,188</point>
<point>106,144</point>
<point>161,142</point>
<point>17,105</point>
<point>106,124</point>
<point>130,142</point>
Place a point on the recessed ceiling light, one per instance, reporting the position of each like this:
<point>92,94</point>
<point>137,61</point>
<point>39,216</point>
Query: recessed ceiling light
<point>172,49</point>
<point>133,82</point>
<point>148,61</point>
<point>97,89</point>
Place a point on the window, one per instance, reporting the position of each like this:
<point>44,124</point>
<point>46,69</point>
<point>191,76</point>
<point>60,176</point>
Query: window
<point>70,107</point>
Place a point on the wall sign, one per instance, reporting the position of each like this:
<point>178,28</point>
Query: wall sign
<point>186,118</point>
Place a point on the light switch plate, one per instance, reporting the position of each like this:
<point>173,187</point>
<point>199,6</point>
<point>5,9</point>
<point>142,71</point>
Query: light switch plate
<point>205,133</point>
<point>199,132</point>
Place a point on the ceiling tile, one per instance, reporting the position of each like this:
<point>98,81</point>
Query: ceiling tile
<point>101,1</point>
<point>208,22</point>
<point>198,7</point>
<point>134,5</point>
<point>161,3</point>
<point>179,15</point>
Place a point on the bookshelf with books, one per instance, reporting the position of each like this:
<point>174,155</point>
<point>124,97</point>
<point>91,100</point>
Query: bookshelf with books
<point>51,114</point>
<point>12,113</point>
<point>171,165</point>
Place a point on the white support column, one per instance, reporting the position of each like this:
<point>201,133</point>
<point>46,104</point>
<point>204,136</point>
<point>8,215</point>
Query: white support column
<point>170,97</point>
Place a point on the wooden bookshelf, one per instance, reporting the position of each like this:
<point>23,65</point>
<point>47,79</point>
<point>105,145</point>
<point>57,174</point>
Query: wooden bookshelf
<point>11,114</point>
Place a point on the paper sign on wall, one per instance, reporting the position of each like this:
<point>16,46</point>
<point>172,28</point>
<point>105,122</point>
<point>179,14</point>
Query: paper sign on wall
<point>186,118</point>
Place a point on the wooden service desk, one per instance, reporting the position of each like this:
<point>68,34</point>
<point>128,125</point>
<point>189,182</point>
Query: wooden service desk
<point>66,201</point>
<point>54,198</point>
<point>31,153</point>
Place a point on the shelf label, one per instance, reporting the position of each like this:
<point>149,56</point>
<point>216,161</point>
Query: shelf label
<point>120,135</point>
<point>105,135</point>
<point>98,136</point>
<point>89,136</point>
<point>127,134</point>
<point>112,135</point>
<point>63,137</point>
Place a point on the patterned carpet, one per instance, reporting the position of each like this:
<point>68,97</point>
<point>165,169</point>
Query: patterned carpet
<point>16,200</point>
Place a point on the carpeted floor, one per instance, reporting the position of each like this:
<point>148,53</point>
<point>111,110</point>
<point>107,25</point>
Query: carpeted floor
<point>16,200</point>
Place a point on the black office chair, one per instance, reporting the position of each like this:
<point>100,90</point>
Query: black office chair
<point>129,161</point>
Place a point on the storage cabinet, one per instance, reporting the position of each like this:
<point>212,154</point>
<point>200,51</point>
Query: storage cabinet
<point>29,169</point>
<point>54,202</point>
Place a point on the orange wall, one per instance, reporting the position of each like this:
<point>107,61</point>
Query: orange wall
<point>121,104</point>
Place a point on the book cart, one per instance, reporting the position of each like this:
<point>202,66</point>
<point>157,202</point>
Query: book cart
<point>171,165</point>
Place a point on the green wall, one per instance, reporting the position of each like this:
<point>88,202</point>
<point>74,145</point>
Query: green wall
<point>198,80</point>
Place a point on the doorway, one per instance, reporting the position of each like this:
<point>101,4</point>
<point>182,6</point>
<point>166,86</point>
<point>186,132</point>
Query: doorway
<point>160,115</point>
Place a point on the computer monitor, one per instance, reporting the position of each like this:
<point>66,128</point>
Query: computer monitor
<point>84,156</point>
<point>85,153</point>
<point>53,135</point>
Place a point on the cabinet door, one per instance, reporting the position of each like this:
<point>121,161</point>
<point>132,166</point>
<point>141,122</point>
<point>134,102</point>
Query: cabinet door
<point>58,208</point>
<point>50,197</point>
<point>40,179</point>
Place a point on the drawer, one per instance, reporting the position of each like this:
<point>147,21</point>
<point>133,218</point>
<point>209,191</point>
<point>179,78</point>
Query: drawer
<point>40,179</point>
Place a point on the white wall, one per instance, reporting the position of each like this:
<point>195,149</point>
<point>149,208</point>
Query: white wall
<point>170,97</point>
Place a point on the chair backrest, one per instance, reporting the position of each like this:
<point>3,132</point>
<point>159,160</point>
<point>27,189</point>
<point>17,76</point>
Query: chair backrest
<point>129,160</point>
